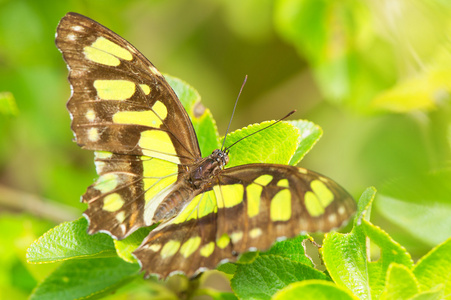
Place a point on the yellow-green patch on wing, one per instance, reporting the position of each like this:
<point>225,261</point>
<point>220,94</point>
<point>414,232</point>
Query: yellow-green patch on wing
<point>145,118</point>
<point>170,248</point>
<point>158,174</point>
<point>160,109</point>
<point>106,183</point>
<point>200,206</point>
<point>113,202</point>
<point>253,193</point>
<point>145,88</point>
<point>114,89</point>
<point>281,206</point>
<point>190,246</point>
<point>263,179</point>
<point>313,204</point>
<point>156,143</point>
<point>229,195</point>
<point>110,48</point>
<point>101,57</point>
<point>324,194</point>
<point>207,249</point>
<point>223,241</point>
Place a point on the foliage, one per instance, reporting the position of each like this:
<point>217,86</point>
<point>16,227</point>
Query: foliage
<point>373,74</point>
<point>92,268</point>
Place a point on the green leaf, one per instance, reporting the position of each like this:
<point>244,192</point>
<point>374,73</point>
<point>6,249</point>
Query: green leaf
<point>434,268</point>
<point>85,278</point>
<point>70,240</point>
<point>336,39</point>
<point>422,90</point>
<point>126,246</point>
<point>8,104</point>
<point>292,249</point>
<point>400,283</point>
<point>364,205</point>
<point>277,144</point>
<point>209,283</point>
<point>228,268</point>
<point>310,134</point>
<point>269,273</point>
<point>420,205</point>
<point>216,295</point>
<point>390,251</point>
<point>345,260</point>
<point>346,254</point>
<point>313,289</point>
<point>436,293</point>
<point>409,95</point>
<point>201,117</point>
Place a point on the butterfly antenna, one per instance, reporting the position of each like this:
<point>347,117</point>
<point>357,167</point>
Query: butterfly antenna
<point>233,112</point>
<point>289,114</point>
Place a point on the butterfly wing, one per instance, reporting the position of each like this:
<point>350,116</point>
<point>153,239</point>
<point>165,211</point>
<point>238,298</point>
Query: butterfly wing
<point>251,206</point>
<point>122,107</point>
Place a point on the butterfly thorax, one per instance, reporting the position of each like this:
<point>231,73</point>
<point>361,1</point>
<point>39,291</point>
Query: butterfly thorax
<point>202,173</point>
<point>200,177</point>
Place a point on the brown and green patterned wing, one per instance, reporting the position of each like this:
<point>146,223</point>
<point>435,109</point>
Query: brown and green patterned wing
<point>250,208</point>
<point>120,102</point>
<point>122,107</point>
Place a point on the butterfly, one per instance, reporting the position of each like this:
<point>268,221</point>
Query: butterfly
<point>151,170</point>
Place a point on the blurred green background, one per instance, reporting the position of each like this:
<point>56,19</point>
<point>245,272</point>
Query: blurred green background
<point>375,75</point>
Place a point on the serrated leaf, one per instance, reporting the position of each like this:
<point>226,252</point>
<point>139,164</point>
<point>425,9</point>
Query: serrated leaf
<point>228,268</point>
<point>400,284</point>
<point>345,260</point>
<point>346,254</point>
<point>126,246</point>
<point>434,268</point>
<point>364,205</point>
<point>201,117</point>
<point>85,278</point>
<point>269,273</point>
<point>310,135</point>
<point>292,249</point>
<point>313,289</point>
<point>70,240</point>
<point>391,252</point>
<point>277,144</point>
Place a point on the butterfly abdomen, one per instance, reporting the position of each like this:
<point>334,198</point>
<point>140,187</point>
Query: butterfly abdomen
<point>174,202</point>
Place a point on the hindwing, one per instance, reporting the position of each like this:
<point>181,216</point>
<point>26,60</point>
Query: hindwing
<point>250,207</point>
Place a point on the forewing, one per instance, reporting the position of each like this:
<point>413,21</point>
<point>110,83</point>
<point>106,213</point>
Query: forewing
<point>250,207</point>
<point>120,102</point>
<point>122,107</point>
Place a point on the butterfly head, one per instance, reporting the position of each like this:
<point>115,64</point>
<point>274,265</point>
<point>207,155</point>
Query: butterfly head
<point>221,157</point>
